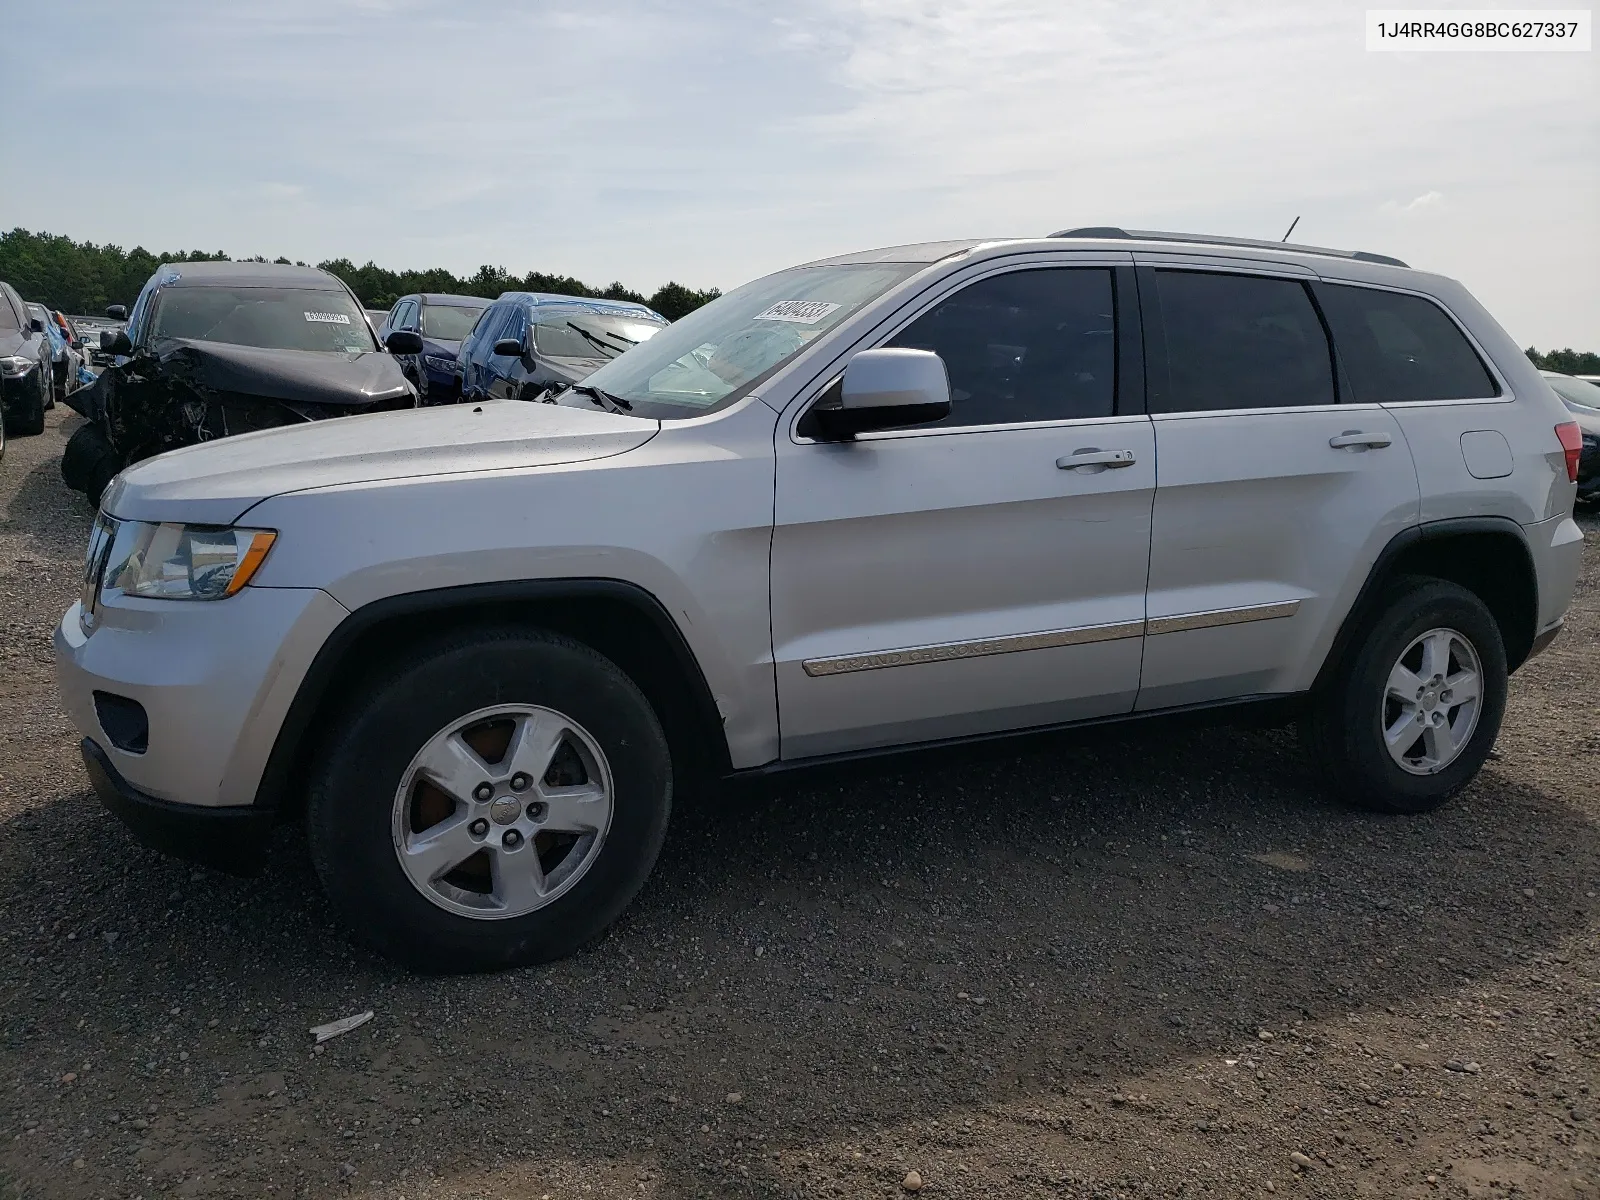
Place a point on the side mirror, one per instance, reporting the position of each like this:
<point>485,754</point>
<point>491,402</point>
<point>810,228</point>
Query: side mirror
<point>35,324</point>
<point>883,389</point>
<point>510,347</point>
<point>117,312</point>
<point>403,341</point>
<point>77,343</point>
<point>115,341</point>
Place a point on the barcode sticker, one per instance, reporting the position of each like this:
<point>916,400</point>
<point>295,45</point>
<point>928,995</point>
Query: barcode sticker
<point>797,312</point>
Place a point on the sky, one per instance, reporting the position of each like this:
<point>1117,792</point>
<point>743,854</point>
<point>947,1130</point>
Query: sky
<point>644,140</point>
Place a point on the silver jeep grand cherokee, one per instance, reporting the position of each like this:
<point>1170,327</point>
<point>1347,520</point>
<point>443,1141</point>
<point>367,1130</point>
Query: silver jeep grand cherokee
<point>919,495</point>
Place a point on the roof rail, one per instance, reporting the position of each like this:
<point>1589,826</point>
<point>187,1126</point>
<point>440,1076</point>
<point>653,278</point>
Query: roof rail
<point>1150,235</point>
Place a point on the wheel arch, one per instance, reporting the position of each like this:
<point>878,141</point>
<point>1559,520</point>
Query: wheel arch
<point>1489,556</point>
<point>620,620</point>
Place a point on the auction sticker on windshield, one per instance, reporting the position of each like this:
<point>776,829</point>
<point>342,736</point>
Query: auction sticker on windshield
<point>797,312</point>
<point>328,318</point>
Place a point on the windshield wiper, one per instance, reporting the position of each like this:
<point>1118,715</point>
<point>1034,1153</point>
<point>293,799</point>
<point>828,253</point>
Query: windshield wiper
<point>611,351</point>
<point>599,397</point>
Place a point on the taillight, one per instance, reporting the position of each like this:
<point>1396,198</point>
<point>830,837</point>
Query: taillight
<point>1571,438</point>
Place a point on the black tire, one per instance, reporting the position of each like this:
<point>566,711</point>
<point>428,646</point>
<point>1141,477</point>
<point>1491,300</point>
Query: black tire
<point>29,418</point>
<point>384,725</point>
<point>1345,728</point>
<point>89,462</point>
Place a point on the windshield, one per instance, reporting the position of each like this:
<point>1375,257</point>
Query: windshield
<point>579,334</point>
<point>719,352</point>
<point>271,318</point>
<point>1576,392</point>
<point>449,322</point>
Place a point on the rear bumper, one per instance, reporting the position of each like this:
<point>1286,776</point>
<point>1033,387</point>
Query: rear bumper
<point>1557,549</point>
<point>229,839</point>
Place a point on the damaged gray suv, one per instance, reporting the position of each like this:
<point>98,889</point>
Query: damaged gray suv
<point>924,495</point>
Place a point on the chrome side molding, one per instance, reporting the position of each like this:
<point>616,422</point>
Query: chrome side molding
<point>1221,616</point>
<point>945,651</point>
<point>841,664</point>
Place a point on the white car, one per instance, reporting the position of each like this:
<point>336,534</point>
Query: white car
<point>909,497</point>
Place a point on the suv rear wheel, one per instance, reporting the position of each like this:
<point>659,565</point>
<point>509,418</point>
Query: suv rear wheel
<point>1409,720</point>
<point>496,800</point>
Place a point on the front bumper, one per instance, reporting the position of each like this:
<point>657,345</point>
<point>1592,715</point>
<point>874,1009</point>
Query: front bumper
<point>17,392</point>
<point>441,383</point>
<point>214,679</point>
<point>229,839</point>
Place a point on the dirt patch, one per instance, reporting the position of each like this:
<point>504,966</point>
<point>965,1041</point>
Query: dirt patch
<point>1150,965</point>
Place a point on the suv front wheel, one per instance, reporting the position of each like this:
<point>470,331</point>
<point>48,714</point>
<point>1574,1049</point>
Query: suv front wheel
<point>494,801</point>
<point>1412,715</point>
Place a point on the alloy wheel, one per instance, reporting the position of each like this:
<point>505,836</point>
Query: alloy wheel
<point>503,811</point>
<point>1432,701</point>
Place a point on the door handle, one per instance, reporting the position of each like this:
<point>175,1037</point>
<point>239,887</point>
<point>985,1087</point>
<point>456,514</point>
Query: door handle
<point>1354,439</point>
<point>1093,456</point>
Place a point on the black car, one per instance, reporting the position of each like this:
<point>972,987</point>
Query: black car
<point>219,348</point>
<point>25,360</point>
<point>443,322</point>
<point>1583,402</point>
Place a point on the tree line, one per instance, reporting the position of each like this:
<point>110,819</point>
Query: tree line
<point>1568,361</point>
<point>83,278</point>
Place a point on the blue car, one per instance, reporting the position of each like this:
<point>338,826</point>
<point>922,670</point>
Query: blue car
<point>528,342</point>
<point>442,321</point>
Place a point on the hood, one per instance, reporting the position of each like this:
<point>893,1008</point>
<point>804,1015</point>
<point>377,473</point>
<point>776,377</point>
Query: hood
<point>305,376</point>
<point>440,347</point>
<point>215,482</point>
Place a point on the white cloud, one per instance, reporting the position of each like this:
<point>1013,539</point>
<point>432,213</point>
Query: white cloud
<point>643,139</point>
<point>1421,203</point>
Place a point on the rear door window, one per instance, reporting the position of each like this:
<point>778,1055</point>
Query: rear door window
<point>1397,347</point>
<point>1035,345</point>
<point>1240,341</point>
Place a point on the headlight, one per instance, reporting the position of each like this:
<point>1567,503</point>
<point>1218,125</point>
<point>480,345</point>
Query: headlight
<point>183,562</point>
<point>13,365</point>
<point>439,362</point>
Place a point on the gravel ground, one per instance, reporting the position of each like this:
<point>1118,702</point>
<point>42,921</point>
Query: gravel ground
<point>1153,965</point>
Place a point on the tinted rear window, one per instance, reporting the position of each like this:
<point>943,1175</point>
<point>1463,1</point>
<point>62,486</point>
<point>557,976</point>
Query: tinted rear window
<point>1241,341</point>
<point>1398,348</point>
